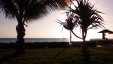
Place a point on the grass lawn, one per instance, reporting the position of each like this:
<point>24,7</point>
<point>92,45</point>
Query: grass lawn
<point>103,55</point>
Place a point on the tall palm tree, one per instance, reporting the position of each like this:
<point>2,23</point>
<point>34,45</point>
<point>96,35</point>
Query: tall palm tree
<point>87,17</point>
<point>25,11</point>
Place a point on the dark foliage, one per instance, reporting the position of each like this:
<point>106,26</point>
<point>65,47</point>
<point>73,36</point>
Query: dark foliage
<point>25,11</point>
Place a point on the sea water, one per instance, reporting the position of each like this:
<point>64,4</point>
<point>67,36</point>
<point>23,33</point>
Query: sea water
<point>8,40</point>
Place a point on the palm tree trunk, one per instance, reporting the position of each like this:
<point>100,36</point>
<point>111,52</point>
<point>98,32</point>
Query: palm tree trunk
<point>76,35</point>
<point>70,39</point>
<point>85,51</point>
<point>20,36</point>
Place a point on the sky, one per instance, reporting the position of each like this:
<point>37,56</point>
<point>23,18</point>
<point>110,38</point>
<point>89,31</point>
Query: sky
<point>47,27</point>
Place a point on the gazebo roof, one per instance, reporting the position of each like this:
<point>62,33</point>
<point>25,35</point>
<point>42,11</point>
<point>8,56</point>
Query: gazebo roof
<point>106,31</point>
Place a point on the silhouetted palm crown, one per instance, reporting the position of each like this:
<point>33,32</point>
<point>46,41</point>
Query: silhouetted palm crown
<point>87,17</point>
<point>69,24</point>
<point>28,9</point>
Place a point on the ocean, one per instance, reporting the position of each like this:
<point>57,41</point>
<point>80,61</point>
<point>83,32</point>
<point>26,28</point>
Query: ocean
<point>8,40</point>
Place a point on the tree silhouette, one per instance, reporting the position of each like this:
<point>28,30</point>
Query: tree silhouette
<point>87,17</point>
<point>69,24</point>
<point>25,11</point>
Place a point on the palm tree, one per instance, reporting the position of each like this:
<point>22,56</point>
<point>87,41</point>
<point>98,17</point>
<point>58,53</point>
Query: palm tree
<point>70,24</point>
<point>86,18</point>
<point>25,11</point>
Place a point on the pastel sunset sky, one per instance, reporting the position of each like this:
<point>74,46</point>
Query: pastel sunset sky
<point>47,27</point>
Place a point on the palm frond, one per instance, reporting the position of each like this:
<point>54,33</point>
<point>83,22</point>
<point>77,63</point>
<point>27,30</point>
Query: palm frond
<point>87,15</point>
<point>29,9</point>
<point>9,8</point>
